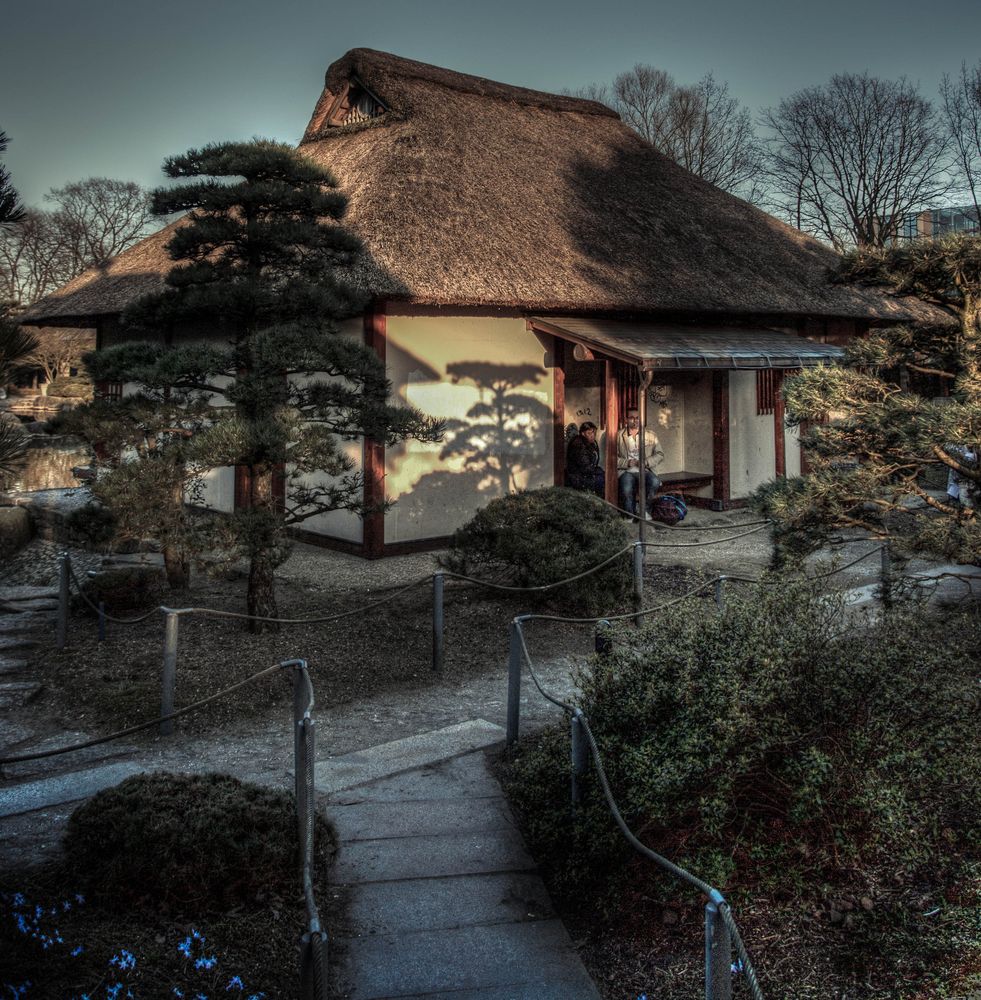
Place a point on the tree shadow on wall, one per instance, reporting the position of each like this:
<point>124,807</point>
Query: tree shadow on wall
<point>500,441</point>
<point>501,436</point>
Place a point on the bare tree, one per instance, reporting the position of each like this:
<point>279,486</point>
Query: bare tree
<point>961,110</point>
<point>35,258</point>
<point>59,349</point>
<point>701,127</point>
<point>91,221</point>
<point>100,218</point>
<point>598,92</point>
<point>849,160</point>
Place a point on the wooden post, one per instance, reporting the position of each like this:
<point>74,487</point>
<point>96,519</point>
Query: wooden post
<point>720,440</point>
<point>558,411</point>
<point>779,440</point>
<point>612,417</point>
<point>169,678</point>
<point>375,337</point>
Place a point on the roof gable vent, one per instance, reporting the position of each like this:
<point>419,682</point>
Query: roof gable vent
<point>356,103</point>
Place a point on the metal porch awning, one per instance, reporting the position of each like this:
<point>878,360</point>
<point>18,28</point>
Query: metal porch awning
<point>664,346</point>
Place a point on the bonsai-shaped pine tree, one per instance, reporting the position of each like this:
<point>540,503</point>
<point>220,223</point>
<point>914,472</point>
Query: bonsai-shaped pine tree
<point>905,401</point>
<point>147,470</point>
<point>249,318</point>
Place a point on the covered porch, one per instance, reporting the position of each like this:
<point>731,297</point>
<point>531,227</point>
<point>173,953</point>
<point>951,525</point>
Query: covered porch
<point>711,396</point>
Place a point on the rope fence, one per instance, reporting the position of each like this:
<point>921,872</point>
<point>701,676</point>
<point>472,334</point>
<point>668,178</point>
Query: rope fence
<point>721,931</point>
<point>722,935</point>
<point>313,940</point>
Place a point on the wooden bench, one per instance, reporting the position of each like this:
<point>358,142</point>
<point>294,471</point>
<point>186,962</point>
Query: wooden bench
<point>684,482</point>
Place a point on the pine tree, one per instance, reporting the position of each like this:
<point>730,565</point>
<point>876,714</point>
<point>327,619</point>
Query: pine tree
<point>250,316</point>
<point>905,406</point>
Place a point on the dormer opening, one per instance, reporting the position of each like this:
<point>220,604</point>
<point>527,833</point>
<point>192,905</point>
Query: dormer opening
<point>356,103</point>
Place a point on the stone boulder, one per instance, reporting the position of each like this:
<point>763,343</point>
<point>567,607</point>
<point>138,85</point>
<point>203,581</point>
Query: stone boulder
<point>16,530</point>
<point>126,586</point>
<point>6,417</point>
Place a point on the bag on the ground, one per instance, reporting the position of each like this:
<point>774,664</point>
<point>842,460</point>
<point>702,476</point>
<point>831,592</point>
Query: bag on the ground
<point>668,509</point>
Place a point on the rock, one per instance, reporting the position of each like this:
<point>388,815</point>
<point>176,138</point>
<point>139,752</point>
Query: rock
<point>866,904</point>
<point>36,427</point>
<point>127,587</point>
<point>835,916</point>
<point>13,421</point>
<point>16,530</point>
<point>16,694</point>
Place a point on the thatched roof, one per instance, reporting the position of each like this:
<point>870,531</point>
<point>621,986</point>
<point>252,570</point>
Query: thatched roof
<point>469,192</point>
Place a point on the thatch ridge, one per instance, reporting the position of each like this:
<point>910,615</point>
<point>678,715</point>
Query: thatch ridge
<point>474,193</point>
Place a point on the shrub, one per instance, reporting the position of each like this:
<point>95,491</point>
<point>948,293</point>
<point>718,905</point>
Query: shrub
<point>188,843</point>
<point>71,387</point>
<point>773,741</point>
<point>542,536</point>
<point>92,524</point>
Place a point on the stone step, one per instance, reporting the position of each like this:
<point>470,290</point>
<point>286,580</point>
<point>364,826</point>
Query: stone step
<point>16,694</point>
<point>27,604</point>
<point>9,665</point>
<point>30,795</point>
<point>25,593</point>
<point>489,961</point>
<point>362,766</point>
<point>16,644</point>
<point>25,623</point>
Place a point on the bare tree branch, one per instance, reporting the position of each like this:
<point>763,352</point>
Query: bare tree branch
<point>849,160</point>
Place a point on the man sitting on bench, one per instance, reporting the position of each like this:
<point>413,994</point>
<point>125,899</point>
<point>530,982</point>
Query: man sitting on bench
<point>628,463</point>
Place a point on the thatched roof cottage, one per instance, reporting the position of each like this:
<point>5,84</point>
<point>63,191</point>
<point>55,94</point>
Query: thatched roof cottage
<point>531,262</point>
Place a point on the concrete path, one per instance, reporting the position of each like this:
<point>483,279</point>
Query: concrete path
<point>444,899</point>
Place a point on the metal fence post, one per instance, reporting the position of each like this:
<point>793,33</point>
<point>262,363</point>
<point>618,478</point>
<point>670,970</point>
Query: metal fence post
<point>638,581</point>
<point>718,954</point>
<point>63,598</point>
<point>313,966</point>
<point>886,575</point>
<point>580,757</point>
<point>720,595</point>
<point>602,641</point>
<point>102,621</point>
<point>514,681</point>
<point>169,678</point>
<point>438,649</point>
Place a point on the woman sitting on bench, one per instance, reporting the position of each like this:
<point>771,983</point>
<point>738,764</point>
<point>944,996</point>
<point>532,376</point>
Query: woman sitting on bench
<point>582,465</point>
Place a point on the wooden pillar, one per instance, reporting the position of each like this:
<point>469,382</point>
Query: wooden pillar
<point>612,417</point>
<point>558,411</point>
<point>779,441</point>
<point>720,439</point>
<point>375,337</point>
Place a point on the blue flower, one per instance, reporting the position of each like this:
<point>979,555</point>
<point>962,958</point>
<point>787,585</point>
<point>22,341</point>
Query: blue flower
<point>77,951</point>
<point>235,983</point>
<point>205,962</point>
<point>178,992</point>
<point>125,960</point>
<point>185,947</point>
<point>113,991</point>
<point>737,966</point>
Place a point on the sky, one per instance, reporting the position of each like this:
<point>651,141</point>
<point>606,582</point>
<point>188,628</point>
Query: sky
<point>110,88</point>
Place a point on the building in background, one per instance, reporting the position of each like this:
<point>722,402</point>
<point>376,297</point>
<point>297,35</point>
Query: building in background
<point>531,261</point>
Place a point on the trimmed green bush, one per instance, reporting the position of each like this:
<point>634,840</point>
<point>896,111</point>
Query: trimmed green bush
<point>192,844</point>
<point>71,387</point>
<point>539,537</point>
<point>773,742</point>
